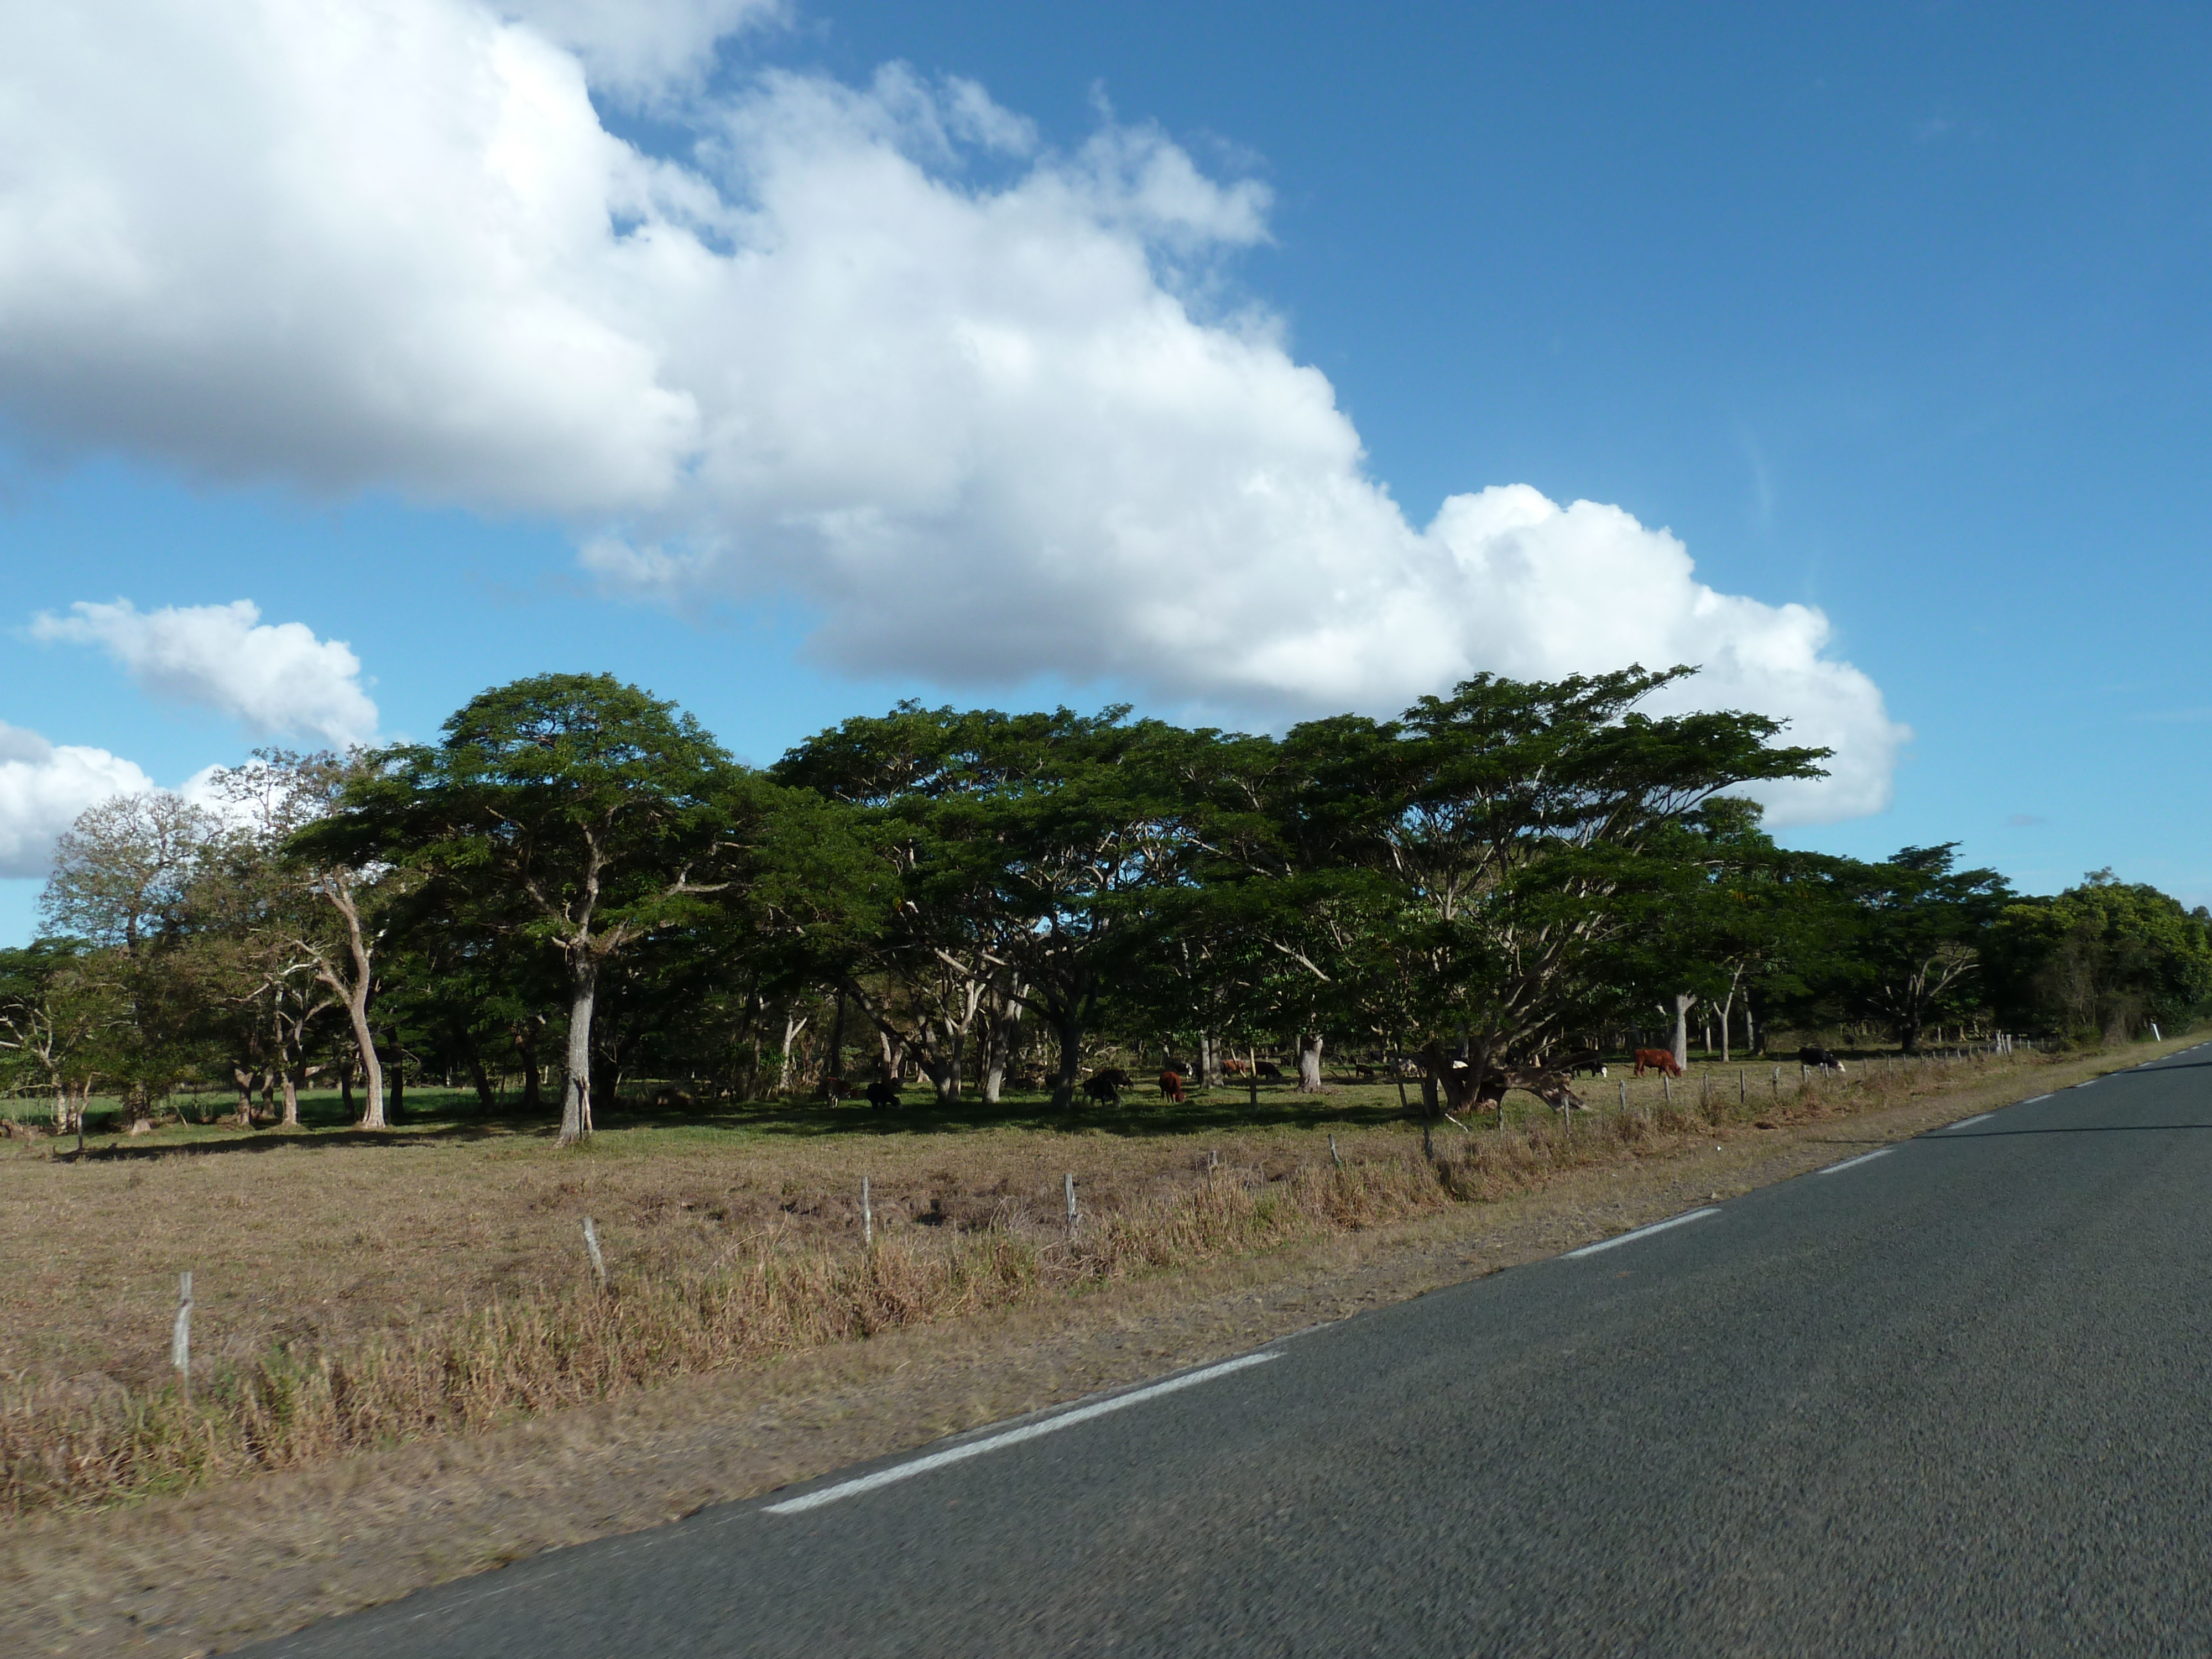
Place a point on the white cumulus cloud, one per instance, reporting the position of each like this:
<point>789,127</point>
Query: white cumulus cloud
<point>989,408</point>
<point>43,788</point>
<point>274,678</point>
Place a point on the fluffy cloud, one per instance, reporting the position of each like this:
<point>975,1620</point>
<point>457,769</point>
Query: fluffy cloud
<point>43,788</point>
<point>643,52</point>
<point>983,406</point>
<point>275,679</point>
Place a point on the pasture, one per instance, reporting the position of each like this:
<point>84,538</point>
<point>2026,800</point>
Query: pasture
<point>354,1290</point>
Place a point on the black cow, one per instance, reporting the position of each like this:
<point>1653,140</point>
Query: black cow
<point>1818,1060</point>
<point>1105,1087</point>
<point>883,1092</point>
<point>1266,1069</point>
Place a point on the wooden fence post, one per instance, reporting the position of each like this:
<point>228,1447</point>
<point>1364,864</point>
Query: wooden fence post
<point>1071,1206</point>
<point>591,1246</point>
<point>867,1216</point>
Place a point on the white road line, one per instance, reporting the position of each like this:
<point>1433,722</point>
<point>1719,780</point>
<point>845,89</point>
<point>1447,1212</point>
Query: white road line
<point>1980,1117</point>
<point>2032,1099</point>
<point>1642,1232</point>
<point>1011,1437</point>
<point>1853,1163</point>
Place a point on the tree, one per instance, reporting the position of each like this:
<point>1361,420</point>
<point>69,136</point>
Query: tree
<point>2104,956</point>
<point>1028,849</point>
<point>1493,845</point>
<point>570,809</point>
<point>123,881</point>
<point>1922,923</point>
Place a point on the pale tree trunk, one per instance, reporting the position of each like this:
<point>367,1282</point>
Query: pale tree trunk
<point>355,994</point>
<point>793,1023</point>
<point>1209,1060</point>
<point>1727,1012</point>
<point>1683,1003</point>
<point>576,1090</point>
<point>291,1118</point>
<point>1004,1032</point>
<point>1309,1046</point>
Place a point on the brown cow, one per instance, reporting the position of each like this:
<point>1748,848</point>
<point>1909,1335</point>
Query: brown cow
<point>1171,1086</point>
<point>1657,1059</point>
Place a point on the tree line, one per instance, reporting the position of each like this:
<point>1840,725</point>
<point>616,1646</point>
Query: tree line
<point>576,887</point>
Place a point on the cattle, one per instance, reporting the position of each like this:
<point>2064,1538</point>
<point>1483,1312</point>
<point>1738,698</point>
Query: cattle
<point>1547,1084</point>
<point>883,1092</point>
<point>1588,1061</point>
<point>1234,1068</point>
<point>1171,1086</point>
<point>1266,1070</point>
<point>1818,1060</point>
<point>833,1090</point>
<point>1105,1087</point>
<point>1657,1059</point>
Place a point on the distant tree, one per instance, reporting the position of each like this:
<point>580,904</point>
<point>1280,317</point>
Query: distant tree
<point>123,881</point>
<point>1922,924</point>
<point>2104,956</point>
<point>1511,826</point>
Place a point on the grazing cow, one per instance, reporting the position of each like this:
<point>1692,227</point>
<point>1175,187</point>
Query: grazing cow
<point>1551,1086</point>
<point>1234,1068</point>
<point>1588,1061</point>
<point>1657,1059</point>
<point>1171,1085</point>
<point>1266,1070</point>
<point>883,1092</point>
<point>833,1090</point>
<point>1105,1087</point>
<point>1818,1058</point>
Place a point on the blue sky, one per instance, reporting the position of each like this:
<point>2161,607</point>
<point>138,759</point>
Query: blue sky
<point>1898,313</point>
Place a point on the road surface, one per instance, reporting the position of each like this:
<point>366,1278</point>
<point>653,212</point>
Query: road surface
<point>1953,1398</point>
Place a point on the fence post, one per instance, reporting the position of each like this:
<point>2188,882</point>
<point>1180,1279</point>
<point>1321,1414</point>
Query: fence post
<point>1335,1157</point>
<point>1623,1097</point>
<point>867,1216</point>
<point>180,1340</point>
<point>1777,1084</point>
<point>1667,1088</point>
<point>592,1247</point>
<point>1742,1089</point>
<point>1071,1206</point>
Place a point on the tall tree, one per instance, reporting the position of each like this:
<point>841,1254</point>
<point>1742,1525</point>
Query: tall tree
<point>1511,826</point>
<point>571,808</point>
<point>1921,924</point>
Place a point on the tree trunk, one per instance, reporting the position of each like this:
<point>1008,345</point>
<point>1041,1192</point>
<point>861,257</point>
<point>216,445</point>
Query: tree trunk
<point>793,1023</point>
<point>485,1098</point>
<point>291,1097</point>
<point>1683,1002</point>
<point>1728,1012</point>
<point>576,1089</point>
<point>525,1047</point>
<point>1209,1060</point>
<point>1068,1028</point>
<point>1310,1045</point>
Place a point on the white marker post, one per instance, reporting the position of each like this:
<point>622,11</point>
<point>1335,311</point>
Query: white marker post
<point>180,1342</point>
<point>591,1245</point>
<point>867,1216</point>
<point>1071,1207</point>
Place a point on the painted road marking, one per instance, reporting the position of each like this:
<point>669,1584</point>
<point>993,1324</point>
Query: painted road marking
<point>1012,1436</point>
<point>2033,1098</point>
<point>1852,1162</point>
<point>1642,1232</point>
<point>1981,1118</point>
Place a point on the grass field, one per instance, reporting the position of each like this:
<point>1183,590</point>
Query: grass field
<point>354,1290</point>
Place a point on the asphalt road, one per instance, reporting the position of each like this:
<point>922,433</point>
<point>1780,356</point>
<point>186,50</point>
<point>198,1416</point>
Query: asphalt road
<point>1952,1399</point>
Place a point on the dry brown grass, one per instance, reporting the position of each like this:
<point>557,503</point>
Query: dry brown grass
<point>352,1296</point>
